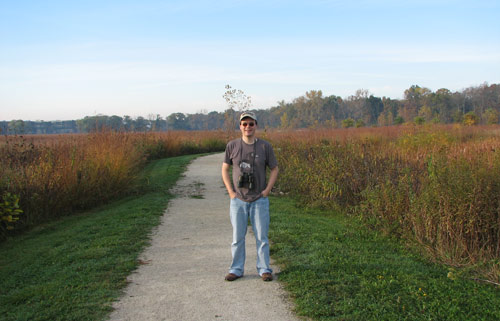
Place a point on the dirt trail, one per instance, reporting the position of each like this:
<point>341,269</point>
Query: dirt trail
<point>182,277</point>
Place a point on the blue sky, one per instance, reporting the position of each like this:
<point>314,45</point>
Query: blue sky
<point>69,59</point>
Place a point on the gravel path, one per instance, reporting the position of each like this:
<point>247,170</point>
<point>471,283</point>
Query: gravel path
<point>182,275</point>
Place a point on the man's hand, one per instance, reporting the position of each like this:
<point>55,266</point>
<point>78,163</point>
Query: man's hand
<point>273,176</point>
<point>227,180</point>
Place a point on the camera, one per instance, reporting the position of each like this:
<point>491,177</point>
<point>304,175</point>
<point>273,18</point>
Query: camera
<point>246,178</point>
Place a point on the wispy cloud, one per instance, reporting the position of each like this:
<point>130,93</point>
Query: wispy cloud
<point>178,55</point>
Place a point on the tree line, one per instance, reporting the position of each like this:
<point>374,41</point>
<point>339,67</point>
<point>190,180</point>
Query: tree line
<point>473,105</point>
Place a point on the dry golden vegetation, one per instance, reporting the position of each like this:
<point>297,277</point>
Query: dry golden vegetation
<point>437,186</point>
<point>46,176</point>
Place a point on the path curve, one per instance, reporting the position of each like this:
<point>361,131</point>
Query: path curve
<point>182,277</point>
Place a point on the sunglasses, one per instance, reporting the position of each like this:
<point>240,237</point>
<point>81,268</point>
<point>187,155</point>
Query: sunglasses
<point>251,124</point>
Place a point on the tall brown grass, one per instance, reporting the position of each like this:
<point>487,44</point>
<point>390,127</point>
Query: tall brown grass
<point>57,175</point>
<point>436,185</point>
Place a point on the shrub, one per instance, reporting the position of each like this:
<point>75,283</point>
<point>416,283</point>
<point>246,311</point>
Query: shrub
<point>470,119</point>
<point>346,123</point>
<point>360,123</point>
<point>419,120</point>
<point>9,213</point>
<point>399,120</point>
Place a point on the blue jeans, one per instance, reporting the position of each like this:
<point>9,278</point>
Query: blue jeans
<point>258,212</point>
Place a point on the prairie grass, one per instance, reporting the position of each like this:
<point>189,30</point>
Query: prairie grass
<point>57,175</point>
<point>434,185</point>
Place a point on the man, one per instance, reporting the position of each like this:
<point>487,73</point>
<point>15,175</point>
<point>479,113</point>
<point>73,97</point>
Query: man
<point>248,192</point>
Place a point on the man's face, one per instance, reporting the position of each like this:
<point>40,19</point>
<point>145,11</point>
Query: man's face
<point>248,126</point>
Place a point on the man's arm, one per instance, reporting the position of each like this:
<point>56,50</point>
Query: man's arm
<point>273,176</point>
<point>227,180</point>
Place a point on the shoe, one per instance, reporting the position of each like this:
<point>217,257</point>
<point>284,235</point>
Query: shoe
<point>232,277</point>
<point>267,277</point>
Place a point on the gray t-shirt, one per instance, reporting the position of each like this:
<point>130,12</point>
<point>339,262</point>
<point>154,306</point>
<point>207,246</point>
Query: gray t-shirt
<point>241,155</point>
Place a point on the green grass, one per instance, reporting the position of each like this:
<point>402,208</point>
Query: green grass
<point>74,268</point>
<point>335,269</point>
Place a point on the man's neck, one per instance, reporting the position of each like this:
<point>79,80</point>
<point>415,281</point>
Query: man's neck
<point>249,140</point>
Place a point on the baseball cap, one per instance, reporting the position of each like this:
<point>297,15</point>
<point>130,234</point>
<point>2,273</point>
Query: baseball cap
<point>248,114</point>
